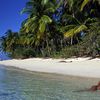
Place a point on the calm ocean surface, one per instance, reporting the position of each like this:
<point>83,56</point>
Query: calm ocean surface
<point>24,85</point>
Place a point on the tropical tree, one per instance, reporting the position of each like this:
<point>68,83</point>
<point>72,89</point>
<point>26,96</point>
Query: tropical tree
<point>40,16</point>
<point>53,25</point>
<point>74,20</point>
<point>9,41</point>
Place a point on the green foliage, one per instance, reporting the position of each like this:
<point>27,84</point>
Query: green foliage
<point>9,41</point>
<point>42,36</point>
<point>89,46</point>
<point>38,20</point>
<point>43,22</point>
<point>85,2</point>
<point>23,53</point>
<point>75,31</point>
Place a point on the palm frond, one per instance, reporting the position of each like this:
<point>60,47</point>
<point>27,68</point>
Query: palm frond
<point>42,27</point>
<point>84,3</point>
<point>70,3</point>
<point>70,18</point>
<point>43,22</point>
<point>50,10</point>
<point>65,28</point>
<point>91,20</point>
<point>74,31</point>
<point>44,2</point>
<point>30,25</point>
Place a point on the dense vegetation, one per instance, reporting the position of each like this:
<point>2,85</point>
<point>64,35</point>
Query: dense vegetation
<point>56,28</point>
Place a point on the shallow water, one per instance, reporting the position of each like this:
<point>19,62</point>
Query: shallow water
<point>16,84</point>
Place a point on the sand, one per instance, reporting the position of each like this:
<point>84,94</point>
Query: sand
<point>83,67</point>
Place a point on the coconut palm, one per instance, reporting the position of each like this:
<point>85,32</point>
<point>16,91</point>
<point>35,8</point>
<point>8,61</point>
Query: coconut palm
<point>51,25</point>
<point>40,16</point>
<point>9,41</point>
<point>74,21</point>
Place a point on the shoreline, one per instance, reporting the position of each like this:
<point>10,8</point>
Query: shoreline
<point>82,67</point>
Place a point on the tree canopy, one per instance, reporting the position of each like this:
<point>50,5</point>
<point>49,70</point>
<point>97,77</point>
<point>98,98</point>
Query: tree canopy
<point>56,27</point>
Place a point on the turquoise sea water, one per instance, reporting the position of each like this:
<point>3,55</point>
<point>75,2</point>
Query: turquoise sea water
<point>24,85</point>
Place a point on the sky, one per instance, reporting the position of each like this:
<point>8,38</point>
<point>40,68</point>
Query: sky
<point>10,17</point>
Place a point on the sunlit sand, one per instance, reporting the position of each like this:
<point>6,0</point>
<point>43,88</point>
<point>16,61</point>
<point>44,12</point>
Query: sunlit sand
<point>75,66</point>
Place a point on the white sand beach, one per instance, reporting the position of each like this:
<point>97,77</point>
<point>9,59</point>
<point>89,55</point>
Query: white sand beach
<point>75,66</point>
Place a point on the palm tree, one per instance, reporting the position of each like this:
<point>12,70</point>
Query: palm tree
<point>9,41</point>
<point>51,25</point>
<point>40,16</point>
<point>74,21</point>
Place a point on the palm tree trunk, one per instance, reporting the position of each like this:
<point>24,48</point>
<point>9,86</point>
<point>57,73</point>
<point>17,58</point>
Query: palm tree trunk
<point>71,40</point>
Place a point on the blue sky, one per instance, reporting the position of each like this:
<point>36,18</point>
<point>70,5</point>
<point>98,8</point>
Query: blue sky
<point>10,17</point>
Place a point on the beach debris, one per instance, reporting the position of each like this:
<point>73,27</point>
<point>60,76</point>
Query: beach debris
<point>63,61</point>
<point>91,89</point>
